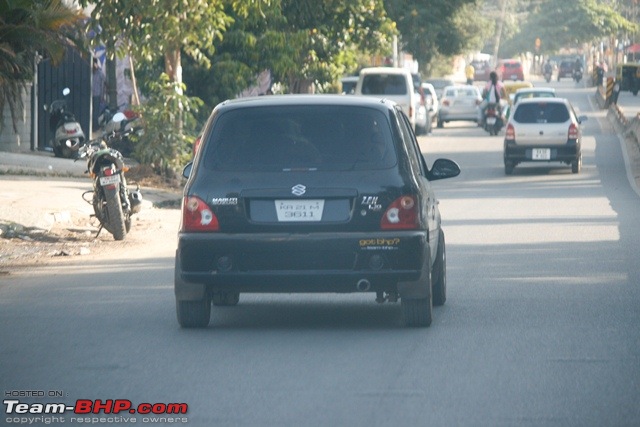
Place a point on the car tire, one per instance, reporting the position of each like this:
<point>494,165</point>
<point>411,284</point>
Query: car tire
<point>440,124</point>
<point>194,314</point>
<point>440,273</point>
<point>508,167</point>
<point>576,165</point>
<point>418,312</point>
<point>225,299</point>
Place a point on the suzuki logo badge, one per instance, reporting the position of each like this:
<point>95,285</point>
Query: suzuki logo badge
<point>298,190</point>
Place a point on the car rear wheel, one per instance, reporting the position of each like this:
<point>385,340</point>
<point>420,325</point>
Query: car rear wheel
<point>418,312</point>
<point>440,273</point>
<point>576,165</point>
<point>508,167</point>
<point>194,314</point>
<point>225,299</point>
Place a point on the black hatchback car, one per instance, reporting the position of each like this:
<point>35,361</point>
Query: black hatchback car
<point>310,193</point>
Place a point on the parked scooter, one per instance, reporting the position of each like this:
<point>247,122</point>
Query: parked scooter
<point>68,135</point>
<point>493,121</point>
<point>130,122</point>
<point>112,201</point>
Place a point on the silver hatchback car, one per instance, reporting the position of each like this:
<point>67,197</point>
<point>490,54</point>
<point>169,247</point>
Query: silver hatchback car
<point>543,130</point>
<point>459,102</point>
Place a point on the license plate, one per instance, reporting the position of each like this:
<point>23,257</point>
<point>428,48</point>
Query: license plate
<point>491,120</point>
<point>541,154</point>
<point>514,76</point>
<point>299,210</point>
<point>109,180</point>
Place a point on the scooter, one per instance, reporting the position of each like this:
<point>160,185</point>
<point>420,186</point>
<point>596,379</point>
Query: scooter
<point>547,76</point>
<point>113,203</point>
<point>577,75</point>
<point>68,134</point>
<point>130,122</point>
<point>493,121</point>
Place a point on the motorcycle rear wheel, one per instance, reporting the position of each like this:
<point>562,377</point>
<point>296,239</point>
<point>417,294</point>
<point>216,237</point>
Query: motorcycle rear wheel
<point>115,216</point>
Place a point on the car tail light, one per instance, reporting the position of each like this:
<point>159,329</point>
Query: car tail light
<point>401,214</point>
<point>445,102</point>
<point>573,131</point>
<point>510,133</point>
<point>196,216</point>
<point>411,111</point>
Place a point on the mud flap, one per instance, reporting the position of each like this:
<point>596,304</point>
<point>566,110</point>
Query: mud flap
<point>186,291</point>
<point>420,288</point>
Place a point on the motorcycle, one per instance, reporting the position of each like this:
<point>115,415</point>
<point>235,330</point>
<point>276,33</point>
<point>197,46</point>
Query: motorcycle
<point>113,203</point>
<point>493,121</point>
<point>68,134</point>
<point>577,75</point>
<point>547,75</point>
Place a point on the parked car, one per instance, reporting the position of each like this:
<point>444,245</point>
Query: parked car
<point>459,102</point>
<point>543,130</point>
<point>349,84</point>
<point>310,193</point>
<point>439,83</point>
<point>565,69</point>
<point>510,69</point>
<point>395,84</point>
<point>433,103</point>
<point>423,117</point>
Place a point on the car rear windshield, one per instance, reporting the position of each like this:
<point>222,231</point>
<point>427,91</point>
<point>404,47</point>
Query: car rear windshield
<point>543,112</point>
<point>512,65</point>
<point>289,138</point>
<point>384,84</point>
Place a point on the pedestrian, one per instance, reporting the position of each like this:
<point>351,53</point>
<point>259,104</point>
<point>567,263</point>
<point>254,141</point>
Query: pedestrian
<point>469,72</point>
<point>97,91</point>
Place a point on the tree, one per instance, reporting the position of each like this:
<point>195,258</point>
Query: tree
<point>429,28</point>
<point>27,28</point>
<point>560,23</point>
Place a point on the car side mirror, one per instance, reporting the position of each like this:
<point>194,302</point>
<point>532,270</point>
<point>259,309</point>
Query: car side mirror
<point>443,168</point>
<point>186,172</point>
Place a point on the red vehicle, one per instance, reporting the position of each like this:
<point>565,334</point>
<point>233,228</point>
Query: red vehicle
<point>510,69</point>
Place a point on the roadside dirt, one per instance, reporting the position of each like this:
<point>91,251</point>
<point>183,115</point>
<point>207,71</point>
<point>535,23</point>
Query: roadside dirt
<point>44,220</point>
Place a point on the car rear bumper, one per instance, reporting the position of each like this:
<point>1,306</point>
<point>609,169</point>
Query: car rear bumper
<point>557,153</point>
<point>322,262</point>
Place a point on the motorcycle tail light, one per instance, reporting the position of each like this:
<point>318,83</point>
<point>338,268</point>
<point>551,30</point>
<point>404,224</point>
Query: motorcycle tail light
<point>401,214</point>
<point>197,216</point>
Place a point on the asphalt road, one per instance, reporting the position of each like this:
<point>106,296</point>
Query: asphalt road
<point>540,327</point>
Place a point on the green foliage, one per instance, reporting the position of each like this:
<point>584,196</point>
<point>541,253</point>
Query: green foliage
<point>169,119</point>
<point>27,27</point>
<point>560,23</point>
<point>428,27</point>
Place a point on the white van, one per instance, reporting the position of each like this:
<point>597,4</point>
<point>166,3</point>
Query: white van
<point>395,84</point>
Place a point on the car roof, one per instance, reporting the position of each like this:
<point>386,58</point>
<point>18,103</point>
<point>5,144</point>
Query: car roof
<point>349,79</point>
<point>536,89</point>
<point>384,70</point>
<point>306,99</point>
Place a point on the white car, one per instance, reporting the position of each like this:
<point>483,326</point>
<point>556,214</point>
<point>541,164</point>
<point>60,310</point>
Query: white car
<point>433,104</point>
<point>459,102</point>
<point>395,84</point>
<point>543,130</point>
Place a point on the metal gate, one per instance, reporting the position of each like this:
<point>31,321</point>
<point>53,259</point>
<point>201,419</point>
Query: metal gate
<point>75,73</point>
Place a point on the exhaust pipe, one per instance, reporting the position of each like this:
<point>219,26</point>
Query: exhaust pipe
<point>363,285</point>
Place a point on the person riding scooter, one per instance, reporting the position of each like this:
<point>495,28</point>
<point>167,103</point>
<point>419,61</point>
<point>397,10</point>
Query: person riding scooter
<point>492,94</point>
